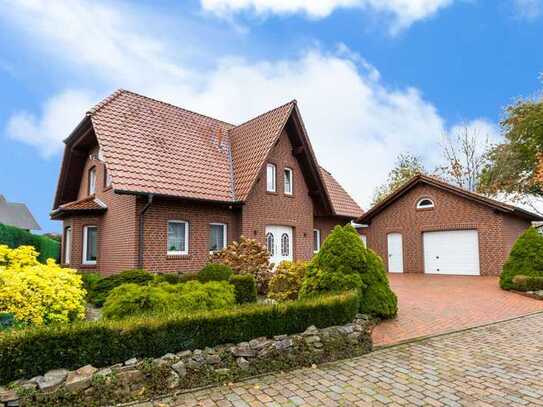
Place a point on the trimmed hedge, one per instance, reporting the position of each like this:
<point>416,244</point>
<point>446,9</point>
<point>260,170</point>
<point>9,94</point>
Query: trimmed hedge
<point>245,288</point>
<point>35,350</point>
<point>14,237</point>
<point>215,272</point>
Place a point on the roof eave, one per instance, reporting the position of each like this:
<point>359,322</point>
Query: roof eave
<point>180,197</point>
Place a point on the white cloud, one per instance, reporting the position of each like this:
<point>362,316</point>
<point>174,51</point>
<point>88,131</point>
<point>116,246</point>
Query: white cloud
<point>59,116</point>
<point>357,124</point>
<point>403,12</point>
<point>528,9</point>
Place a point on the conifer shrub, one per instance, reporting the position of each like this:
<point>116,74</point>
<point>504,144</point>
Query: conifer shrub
<point>526,258</point>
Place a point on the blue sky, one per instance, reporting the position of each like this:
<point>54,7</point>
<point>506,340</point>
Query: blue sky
<point>373,78</point>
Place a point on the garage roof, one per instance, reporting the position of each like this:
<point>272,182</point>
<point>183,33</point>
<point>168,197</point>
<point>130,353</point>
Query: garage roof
<point>425,179</point>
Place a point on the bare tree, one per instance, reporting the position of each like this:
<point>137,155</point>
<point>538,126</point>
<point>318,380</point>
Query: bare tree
<point>465,154</point>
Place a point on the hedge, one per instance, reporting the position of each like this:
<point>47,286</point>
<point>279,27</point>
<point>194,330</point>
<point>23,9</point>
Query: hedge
<point>14,237</point>
<point>527,283</point>
<point>35,350</point>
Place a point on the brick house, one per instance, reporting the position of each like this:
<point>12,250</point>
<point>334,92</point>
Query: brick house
<point>150,185</point>
<point>429,226</point>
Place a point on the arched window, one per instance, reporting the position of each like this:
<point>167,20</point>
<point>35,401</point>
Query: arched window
<point>285,243</point>
<point>425,203</point>
<point>269,243</point>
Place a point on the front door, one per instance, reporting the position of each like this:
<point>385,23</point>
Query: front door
<point>279,243</point>
<point>395,253</point>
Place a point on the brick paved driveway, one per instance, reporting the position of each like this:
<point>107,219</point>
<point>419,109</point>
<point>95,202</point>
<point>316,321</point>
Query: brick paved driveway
<point>431,304</point>
<point>497,365</point>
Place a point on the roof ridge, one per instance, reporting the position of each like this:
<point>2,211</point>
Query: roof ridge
<point>293,102</point>
<point>118,92</point>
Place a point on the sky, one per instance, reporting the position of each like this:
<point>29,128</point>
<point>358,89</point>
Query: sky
<point>373,78</point>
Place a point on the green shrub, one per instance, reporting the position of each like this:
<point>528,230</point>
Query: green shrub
<point>338,265</point>
<point>526,258</point>
<point>287,280</point>
<point>526,283</point>
<point>105,285</point>
<point>377,298</point>
<point>245,288</point>
<point>174,278</point>
<point>133,299</point>
<point>90,279</point>
<point>14,237</point>
<point>344,263</point>
<point>32,351</point>
<point>215,272</point>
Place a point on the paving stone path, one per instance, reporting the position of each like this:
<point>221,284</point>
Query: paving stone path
<point>496,365</point>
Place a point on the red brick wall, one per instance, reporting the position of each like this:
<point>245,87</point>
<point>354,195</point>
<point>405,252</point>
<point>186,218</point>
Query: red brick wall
<point>513,228</point>
<point>451,212</point>
<point>117,227</point>
<point>264,208</point>
<point>199,216</point>
<point>326,224</point>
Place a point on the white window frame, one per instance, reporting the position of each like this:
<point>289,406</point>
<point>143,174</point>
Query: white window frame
<point>271,177</point>
<point>224,234</point>
<point>419,206</point>
<point>67,244</point>
<point>176,252</point>
<point>318,240</point>
<point>290,172</point>
<point>108,181</point>
<point>92,181</point>
<point>86,261</point>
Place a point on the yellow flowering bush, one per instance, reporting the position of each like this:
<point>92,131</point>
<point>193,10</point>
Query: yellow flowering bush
<point>38,293</point>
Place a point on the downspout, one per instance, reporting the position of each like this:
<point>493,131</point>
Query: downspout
<point>142,227</point>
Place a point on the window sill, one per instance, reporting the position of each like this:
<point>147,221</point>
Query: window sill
<point>272,193</point>
<point>88,266</point>
<point>177,256</point>
<point>107,188</point>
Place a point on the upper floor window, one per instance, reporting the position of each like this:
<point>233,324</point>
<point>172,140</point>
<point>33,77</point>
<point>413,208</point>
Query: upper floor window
<point>90,247</point>
<point>178,237</point>
<point>425,203</point>
<point>92,181</point>
<point>288,181</point>
<point>271,177</point>
<point>316,240</point>
<point>107,178</point>
<point>217,237</point>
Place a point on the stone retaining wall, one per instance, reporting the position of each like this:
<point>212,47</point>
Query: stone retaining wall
<point>138,379</point>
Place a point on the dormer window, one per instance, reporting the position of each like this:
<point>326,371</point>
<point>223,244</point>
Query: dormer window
<point>271,177</point>
<point>92,181</point>
<point>425,203</point>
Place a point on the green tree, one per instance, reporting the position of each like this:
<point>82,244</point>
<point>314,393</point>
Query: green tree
<point>526,258</point>
<point>406,167</point>
<point>515,166</point>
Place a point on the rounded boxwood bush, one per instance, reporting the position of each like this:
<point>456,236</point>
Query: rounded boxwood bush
<point>343,263</point>
<point>215,272</point>
<point>526,258</point>
<point>245,288</point>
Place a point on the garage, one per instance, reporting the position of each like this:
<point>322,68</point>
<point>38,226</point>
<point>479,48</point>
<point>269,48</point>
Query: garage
<point>428,226</point>
<point>451,252</point>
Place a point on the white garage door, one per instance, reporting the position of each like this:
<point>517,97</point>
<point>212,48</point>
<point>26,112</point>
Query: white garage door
<point>451,252</point>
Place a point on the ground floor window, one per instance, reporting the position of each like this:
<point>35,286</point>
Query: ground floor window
<point>67,244</point>
<point>178,237</point>
<point>217,237</point>
<point>316,240</point>
<point>89,244</point>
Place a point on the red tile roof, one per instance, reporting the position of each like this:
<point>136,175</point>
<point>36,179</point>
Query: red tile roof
<point>154,147</point>
<point>89,204</point>
<point>342,202</point>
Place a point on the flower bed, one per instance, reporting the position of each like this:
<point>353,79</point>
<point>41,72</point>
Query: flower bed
<point>29,352</point>
<point>140,379</point>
